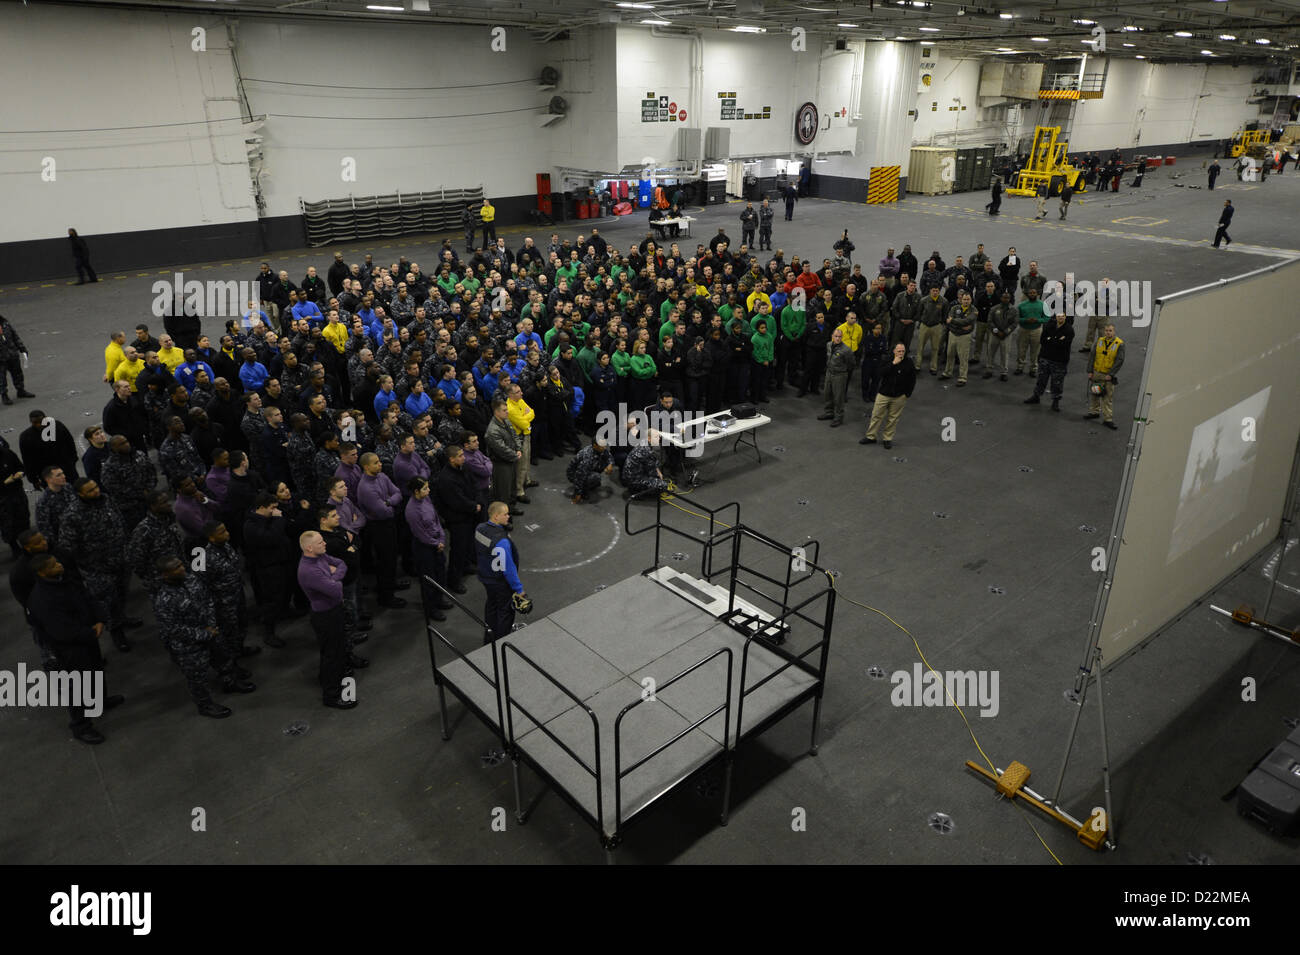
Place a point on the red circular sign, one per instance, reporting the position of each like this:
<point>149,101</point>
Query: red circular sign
<point>672,107</point>
<point>682,114</point>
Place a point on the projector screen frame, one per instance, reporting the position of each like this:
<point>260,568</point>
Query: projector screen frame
<point>1092,663</point>
<point>1133,455</point>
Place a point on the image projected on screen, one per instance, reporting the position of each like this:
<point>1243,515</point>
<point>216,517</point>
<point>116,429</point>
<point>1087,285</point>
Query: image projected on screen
<point>1218,477</point>
<point>1214,445</point>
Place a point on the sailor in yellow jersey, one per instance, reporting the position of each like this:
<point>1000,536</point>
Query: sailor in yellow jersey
<point>1107,359</point>
<point>114,355</point>
<point>489,216</point>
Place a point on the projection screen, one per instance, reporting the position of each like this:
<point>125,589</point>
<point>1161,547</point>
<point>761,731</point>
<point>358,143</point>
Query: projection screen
<point>1208,487</point>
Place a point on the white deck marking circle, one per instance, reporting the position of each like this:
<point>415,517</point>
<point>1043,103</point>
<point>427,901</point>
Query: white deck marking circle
<point>618,533</point>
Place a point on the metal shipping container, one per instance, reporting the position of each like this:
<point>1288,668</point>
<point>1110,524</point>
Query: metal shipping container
<point>965,165</point>
<point>930,171</point>
<point>982,168</point>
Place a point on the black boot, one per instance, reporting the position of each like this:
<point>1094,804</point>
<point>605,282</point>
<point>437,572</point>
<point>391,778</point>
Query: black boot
<point>214,710</point>
<point>238,685</point>
<point>87,733</point>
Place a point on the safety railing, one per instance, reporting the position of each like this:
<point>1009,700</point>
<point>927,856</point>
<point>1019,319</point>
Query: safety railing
<point>725,708</point>
<point>818,673</point>
<point>1090,82</point>
<point>506,650</point>
<point>802,559</point>
<point>711,535</point>
<point>431,631</point>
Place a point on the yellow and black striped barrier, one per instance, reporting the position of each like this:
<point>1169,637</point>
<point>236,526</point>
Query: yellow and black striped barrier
<point>882,186</point>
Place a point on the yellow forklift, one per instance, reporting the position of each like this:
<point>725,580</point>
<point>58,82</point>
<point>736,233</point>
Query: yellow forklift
<point>1047,163</point>
<point>1250,142</point>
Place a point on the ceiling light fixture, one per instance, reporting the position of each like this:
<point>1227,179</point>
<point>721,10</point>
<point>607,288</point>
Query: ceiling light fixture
<point>1227,36</point>
<point>936,30</point>
<point>1139,57</point>
<point>657,22</point>
<point>1130,44</point>
<point>1085,23</point>
<point>1039,39</point>
<point>1263,42</point>
<point>748,29</point>
<point>1007,16</point>
<point>1207,53</point>
<point>1129,28</point>
<point>847,26</point>
<point>1182,33</point>
<point>375,6</point>
<point>635,6</point>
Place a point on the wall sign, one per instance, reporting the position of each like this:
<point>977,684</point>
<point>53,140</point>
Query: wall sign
<point>805,123</point>
<point>658,109</point>
<point>926,78</point>
<point>728,110</point>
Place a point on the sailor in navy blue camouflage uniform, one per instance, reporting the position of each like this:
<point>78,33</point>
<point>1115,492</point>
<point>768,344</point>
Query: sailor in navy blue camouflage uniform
<point>177,454</point>
<point>53,503</point>
<point>765,215</point>
<point>585,469</point>
<point>155,537</point>
<point>92,531</point>
<point>127,476</point>
<point>223,572</point>
<point>187,624</point>
<point>641,473</point>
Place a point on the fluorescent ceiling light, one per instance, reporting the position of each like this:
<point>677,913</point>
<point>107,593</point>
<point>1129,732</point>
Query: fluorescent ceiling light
<point>657,22</point>
<point>1130,44</point>
<point>1227,36</point>
<point>1129,29</point>
<point>1039,39</point>
<point>635,6</point>
<point>375,6</point>
<point>1085,23</point>
<point>1139,57</point>
<point>1007,16</point>
<point>1207,53</point>
<point>847,26</point>
<point>936,30</point>
<point>1182,33</point>
<point>748,29</point>
<point>1262,42</point>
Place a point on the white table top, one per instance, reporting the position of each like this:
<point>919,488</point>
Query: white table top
<point>700,431</point>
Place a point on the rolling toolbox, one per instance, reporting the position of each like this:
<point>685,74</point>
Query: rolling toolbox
<point>1271,793</point>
